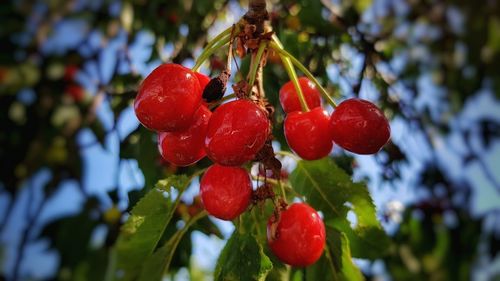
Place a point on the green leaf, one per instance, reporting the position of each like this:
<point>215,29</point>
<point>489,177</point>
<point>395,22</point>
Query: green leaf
<point>493,36</point>
<point>141,145</point>
<point>361,5</point>
<point>369,242</point>
<point>157,264</point>
<point>280,271</point>
<point>140,234</point>
<point>330,190</point>
<point>92,267</point>
<point>336,263</point>
<point>242,259</point>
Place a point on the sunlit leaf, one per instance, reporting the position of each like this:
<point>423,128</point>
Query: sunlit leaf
<point>157,264</point>
<point>336,263</point>
<point>242,259</point>
<point>330,190</point>
<point>147,222</point>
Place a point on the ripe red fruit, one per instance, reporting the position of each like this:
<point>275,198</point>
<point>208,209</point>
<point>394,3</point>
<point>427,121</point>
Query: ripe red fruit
<point>187,147</point>
<point>359,126</point>
<point>168,98</point>
<point>298,238</point>
<point>76,92</point>
<point>203,79</point>
<point>307,133</point>
<point>290,100</point>
<point>236,132</point>
<point>70,72</point>
<point>225,191</point>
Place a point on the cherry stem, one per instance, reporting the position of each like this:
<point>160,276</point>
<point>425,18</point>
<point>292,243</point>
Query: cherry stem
<point>209,51</point>
<point>230,50</point>
<point>282,186</point>
<point>177,237</point>
<point>276,46</point>
<point>282,189</point>
<point>225,98</point>
<point>219,37</point>
<point>287,153</point>
<point>256,224</point>
<point>291,74</point>
<point>254,65</point>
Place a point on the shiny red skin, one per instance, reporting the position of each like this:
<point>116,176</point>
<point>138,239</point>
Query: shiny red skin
<point>290,100</point>
<point>186,147</point>
<point>225,191</point>
<point>307,133</point>
<point>298,238</point>
<point>168,98</point>
<point>236,132</point>
<point>359,126</point>
<point>203,79</point>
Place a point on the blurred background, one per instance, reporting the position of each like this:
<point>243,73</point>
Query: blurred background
<point>73,158</point>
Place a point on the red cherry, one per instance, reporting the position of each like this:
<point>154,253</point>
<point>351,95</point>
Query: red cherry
<point>203,79</point>
<point>3,73</point>
<point>76,92</point>
<point>173,18</point>
<point>168,98</point>
<point>290,100</point>
<point>236,132</point>
<point>307,133</point>
<point>70,72</point>
<point>359,126</point>
<point>225,191</point>
<point>298,238</point>
<point>187,147</point>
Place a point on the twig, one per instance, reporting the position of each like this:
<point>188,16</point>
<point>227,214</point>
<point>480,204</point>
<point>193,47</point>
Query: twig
<point>257,14</point>
<point>8,211</point>
<point>357,87</point>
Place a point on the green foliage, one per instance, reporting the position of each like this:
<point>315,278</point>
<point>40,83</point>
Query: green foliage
<point>330,190</point>
<point>146,224</point>
<point>424,245</point>
<point>336,264</point>
<point>324,185</point>
<point>69,234</point>
<point>93,267</point>
<point>422,249</point>
<point>242,259</point>
<point>141,145</point>
<point>157,264</point>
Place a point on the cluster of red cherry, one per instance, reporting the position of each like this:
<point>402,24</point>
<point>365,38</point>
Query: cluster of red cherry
<point>170,102</point>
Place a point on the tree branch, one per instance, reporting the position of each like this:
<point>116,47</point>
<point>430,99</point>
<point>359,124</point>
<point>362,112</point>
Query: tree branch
<point>257,15</point>
<point>357,87</point>
<point>8,210</point>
